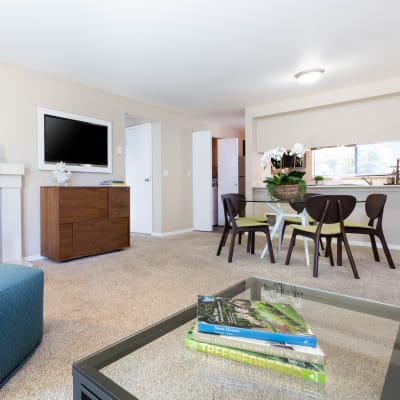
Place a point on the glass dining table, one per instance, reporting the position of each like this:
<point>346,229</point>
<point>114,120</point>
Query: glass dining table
<point>277,228</point>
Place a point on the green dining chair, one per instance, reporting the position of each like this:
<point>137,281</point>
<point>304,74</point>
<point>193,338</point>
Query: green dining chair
<point>239,225</point>
<point>329,212</point>
<point>239,203</point>
<point>374,206</point>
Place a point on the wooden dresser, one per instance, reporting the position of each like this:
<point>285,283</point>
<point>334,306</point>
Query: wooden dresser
<point>78,221</point>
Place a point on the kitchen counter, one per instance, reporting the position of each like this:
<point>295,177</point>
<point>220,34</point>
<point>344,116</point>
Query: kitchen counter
<point>344,186</point>
<point>351,185</point>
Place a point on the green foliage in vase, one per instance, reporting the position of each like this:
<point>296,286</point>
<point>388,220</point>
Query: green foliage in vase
<point>282,178</point>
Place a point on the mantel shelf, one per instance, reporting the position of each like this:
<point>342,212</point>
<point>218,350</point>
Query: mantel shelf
<point>11,169</point>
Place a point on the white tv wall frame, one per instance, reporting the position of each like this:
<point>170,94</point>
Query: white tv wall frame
<point>42,165</point>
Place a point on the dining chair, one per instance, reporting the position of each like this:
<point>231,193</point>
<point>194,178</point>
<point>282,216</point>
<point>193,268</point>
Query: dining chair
<point>374,206</point>
<point>240,225</point>
<point>298,206</point>
<point>329,212</point>
<point>239,204</point>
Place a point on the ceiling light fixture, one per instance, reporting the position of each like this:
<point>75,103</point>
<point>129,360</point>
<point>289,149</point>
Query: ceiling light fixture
<point>309,75</point>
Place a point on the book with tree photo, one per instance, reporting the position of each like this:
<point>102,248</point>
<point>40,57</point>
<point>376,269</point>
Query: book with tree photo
<point>274,322</point>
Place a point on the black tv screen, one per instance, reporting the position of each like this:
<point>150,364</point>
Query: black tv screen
<point>75,142</point>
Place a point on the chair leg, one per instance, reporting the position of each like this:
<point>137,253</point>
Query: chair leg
<point>232,246</point>
<point>226,231</point>
<point>222,241</point>
<point>316,256</point>
<point>253,239</point>
<point>328,250</point>
<point>250,242</point>
<point>290,249</point>
<point>240,238</point>
<point>283,232</point>
<point>339,251</point>
<point>270,249</point>
<point>387,251</point>
<point>374,248</point>
<point>350,256</point>
<point>321,244</point>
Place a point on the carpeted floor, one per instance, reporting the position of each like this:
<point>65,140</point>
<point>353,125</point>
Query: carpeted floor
<point>94,301</point>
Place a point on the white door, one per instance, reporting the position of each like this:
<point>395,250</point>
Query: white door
<point>227,171</point>
<point>139,177</point>
<point>202,181</point>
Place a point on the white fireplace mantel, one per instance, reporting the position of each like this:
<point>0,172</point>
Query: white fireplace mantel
<point>10,212</point>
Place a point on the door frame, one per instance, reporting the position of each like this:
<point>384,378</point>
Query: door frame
<point>148,125</point>
<point>202,181</point>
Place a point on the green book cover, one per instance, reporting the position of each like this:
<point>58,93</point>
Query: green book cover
<point>308,371</point>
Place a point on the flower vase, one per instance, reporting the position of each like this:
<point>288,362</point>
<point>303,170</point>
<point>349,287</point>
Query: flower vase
<point>287,192</point>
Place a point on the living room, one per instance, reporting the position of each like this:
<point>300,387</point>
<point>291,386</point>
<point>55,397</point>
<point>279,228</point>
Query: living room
<point>223,68</point>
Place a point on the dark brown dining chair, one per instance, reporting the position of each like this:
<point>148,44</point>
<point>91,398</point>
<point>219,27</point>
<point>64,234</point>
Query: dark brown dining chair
<point>374,206</point>
<point>239,204</point>
<point>298,206</point>
<point>240,225</point>
<point>329,212</point>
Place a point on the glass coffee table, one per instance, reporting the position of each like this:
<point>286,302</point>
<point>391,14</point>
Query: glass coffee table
<point>361,340</point>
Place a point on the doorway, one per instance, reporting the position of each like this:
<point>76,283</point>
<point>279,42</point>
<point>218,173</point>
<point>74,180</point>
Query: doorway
<point>227,171</point>
<point>138,172</point>
<point>214,172</point>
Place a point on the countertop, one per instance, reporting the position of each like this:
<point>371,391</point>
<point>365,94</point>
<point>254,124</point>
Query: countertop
<point>345,186</point>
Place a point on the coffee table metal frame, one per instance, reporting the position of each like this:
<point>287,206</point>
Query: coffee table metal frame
<point>90,384</point>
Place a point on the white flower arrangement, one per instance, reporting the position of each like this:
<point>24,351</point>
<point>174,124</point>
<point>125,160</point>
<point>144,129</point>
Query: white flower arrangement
<point>61,174</point>
<point>276,155</point>
<point>282,163</point>
<point>273,154</point>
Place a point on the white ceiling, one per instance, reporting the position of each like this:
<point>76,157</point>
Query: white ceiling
<point>206,57</point>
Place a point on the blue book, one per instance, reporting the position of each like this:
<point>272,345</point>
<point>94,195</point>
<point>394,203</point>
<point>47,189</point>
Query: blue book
<point>275,322</point>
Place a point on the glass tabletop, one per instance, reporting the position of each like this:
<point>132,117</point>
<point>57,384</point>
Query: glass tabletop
<point>359,337</point>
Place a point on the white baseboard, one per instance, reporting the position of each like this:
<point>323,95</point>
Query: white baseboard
<point>378,244</point>
<point>35,257</point>
<point>178,232</point>
<point>22,262</point>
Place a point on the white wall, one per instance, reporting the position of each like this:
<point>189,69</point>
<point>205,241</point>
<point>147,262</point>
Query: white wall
<point>362,121</point>
<point>23,91</point>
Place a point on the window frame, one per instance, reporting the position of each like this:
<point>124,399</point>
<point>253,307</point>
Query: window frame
<point>356,172</point>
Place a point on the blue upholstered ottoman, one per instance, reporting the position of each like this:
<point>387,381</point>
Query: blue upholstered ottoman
<point>21,316</point>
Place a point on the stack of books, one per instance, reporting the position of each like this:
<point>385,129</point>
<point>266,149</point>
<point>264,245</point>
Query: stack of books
<point>269,335</point>
<point>112,183</point>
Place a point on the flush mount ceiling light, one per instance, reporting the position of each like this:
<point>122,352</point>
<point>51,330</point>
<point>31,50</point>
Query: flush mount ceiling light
<point>309,75</point>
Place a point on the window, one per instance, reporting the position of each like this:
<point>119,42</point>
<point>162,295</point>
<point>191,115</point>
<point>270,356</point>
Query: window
<point>377,158</point>
<point>366,159</point>
<point>333,161</point>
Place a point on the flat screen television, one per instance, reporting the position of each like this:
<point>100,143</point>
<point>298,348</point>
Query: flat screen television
<point>83,143</point>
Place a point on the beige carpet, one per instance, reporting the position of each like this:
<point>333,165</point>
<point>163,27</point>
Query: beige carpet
<point>94,301</point>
